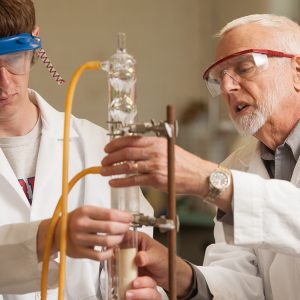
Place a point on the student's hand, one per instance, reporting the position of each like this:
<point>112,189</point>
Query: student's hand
<point>90,229</point>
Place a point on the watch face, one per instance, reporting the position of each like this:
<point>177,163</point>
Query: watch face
<point>219,180</point>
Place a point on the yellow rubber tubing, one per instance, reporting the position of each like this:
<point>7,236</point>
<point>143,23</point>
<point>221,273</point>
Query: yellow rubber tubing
<point>52,227</point>
<point>92,65</point>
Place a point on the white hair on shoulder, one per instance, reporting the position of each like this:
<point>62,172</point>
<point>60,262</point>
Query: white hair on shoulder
<point>289,39</point>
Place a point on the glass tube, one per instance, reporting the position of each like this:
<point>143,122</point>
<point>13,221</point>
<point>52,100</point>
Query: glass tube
<point>122,111</point>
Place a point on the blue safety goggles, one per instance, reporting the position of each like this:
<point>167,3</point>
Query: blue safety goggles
<point>19,42</point>
<point>16,51</point>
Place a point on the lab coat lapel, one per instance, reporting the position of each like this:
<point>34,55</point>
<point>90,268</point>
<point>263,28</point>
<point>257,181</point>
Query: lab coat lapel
<point>47,188</point>
<point>259,168</point>
<point>47,177</point>
<point>256,165</point>
<point>7,176</point>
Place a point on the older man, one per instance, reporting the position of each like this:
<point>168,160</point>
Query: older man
<point>257,72</point>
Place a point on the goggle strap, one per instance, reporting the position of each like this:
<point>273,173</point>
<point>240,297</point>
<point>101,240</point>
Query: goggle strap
<point>41,53</point>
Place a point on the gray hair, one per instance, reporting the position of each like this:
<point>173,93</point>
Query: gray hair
<point>289,40</point>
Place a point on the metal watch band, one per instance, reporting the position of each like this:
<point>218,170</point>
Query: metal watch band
<point>212,195</point>
<point>214,192</point>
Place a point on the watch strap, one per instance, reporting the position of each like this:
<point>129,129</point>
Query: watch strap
<point>214,192</point>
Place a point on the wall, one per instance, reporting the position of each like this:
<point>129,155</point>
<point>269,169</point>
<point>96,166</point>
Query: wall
<point>165,37</point>
<point>289,8</point>
<point>170,39</point>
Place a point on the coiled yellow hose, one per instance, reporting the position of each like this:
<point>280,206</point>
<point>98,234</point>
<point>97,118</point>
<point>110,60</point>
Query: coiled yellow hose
<point>62,206</point>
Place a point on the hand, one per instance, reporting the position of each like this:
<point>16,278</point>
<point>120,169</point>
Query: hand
<point>152,260</point>
<point>88,227</point>
<point>143,288</point>
<point>146,159</point>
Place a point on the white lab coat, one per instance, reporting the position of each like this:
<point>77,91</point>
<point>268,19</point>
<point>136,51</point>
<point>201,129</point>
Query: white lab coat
<point>266,262</point>
<point>19,270</point>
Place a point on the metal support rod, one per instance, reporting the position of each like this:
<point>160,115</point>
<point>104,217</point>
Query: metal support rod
<point>172,203</point>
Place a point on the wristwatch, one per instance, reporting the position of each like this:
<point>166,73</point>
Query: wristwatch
<point>219,180</point>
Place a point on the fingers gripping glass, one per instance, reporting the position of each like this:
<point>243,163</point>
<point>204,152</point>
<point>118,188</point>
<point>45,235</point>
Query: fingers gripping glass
<point>17,63</point>
<point>241,65</point>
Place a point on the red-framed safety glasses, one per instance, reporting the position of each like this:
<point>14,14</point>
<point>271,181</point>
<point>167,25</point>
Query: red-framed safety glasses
<point>245,63</point>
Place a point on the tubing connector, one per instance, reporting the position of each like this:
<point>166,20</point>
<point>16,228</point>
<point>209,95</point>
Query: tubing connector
<point>162,223</point>
<point>159,128</point>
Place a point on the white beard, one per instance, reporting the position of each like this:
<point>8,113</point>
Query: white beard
<point>250,123</point>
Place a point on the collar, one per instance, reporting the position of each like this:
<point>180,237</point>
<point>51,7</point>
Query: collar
<point>292,141</point>
<point>52,120</point>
